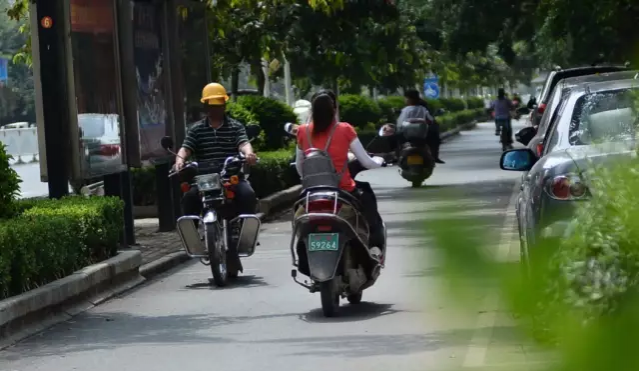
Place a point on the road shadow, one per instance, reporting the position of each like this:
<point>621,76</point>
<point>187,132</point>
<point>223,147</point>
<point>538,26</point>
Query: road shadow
<point>241,282</point>
<point>351,313</point>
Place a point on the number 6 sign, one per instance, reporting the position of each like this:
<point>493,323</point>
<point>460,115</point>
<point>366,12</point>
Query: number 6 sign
<point>46,22</point>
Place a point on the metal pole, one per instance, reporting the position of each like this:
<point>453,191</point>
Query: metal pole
<point>287,82</point>
<point>267,82</point>
<point>55,96</point>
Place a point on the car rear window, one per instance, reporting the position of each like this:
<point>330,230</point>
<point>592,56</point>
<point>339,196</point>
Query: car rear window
<point>604,116</point>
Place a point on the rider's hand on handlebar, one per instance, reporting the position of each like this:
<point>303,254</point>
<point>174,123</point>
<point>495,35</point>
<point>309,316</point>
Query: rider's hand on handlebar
<point>251,159</point>
<point>379,160</point>
<point>388,130</point>
<point>179,164</point>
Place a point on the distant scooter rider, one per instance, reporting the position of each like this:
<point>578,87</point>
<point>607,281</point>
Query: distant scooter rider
<point>416,109</point>
<point>344,138</point>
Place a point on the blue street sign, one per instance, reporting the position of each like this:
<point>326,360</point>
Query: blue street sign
<point>431,86</point>
<point>431,90</point>
<point>4,69</point>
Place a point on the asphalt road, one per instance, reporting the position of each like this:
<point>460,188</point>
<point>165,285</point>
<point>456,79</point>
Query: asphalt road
<point>267,322</point>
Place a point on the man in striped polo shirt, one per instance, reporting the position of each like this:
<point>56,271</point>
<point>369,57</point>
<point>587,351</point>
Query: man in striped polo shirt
<point>211,141</point>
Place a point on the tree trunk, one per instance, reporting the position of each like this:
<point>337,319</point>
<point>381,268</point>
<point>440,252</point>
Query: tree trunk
<point>259,73</point>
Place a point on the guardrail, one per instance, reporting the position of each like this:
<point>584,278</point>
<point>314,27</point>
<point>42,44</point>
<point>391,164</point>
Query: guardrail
<point>22,144</point>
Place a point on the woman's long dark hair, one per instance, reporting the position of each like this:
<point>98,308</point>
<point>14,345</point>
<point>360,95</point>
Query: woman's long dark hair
<point>328,92</point>
<point>323,112</point>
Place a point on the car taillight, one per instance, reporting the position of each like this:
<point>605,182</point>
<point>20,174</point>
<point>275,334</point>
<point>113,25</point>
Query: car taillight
<point>109,150</point>
<point>540,149</point>
<point>324,206</point>
<point>567,187</point>
<point>541,108</point>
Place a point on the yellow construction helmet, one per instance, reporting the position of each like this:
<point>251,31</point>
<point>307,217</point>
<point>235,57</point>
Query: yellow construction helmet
<point>214,94</point>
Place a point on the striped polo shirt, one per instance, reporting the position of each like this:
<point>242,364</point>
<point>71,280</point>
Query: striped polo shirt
<point>211,147</point>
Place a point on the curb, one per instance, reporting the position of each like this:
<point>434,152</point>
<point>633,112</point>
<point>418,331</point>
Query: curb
<point>457,130</point>
<point>266,206</point>
<point>23,315</point>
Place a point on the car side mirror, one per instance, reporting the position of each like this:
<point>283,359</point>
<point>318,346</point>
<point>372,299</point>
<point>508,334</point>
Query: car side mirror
<point>253,131</point>
<point>517,160</point>
<point>167,143</point>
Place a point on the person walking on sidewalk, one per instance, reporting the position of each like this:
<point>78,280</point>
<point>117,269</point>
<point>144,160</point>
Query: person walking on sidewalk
<point>502,107</point>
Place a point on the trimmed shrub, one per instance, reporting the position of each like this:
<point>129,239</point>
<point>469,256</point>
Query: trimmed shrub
<point>144,186</point>
<point>389,105</point>
<point>240,113</point>
<point>271,115</point>
<point>359,110</point>
<point>452,120</point>
<point>434,105</point>
<point>9,184</point>
<point>273,173</point>
<point>453,104</point>
<point>50,239</point>
<point>475,102</point>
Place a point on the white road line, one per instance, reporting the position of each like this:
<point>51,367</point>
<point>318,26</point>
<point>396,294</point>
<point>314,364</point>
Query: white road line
<point>476,353</point>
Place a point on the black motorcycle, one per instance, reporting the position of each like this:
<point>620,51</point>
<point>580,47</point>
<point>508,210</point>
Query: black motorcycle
<point>217,237</point>
<point>414,158</point>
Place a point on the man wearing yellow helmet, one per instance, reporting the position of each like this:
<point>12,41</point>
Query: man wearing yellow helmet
<point>211,141</point>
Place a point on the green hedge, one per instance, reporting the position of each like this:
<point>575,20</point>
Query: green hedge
<point>452,120</point>
<point>447,122</point>
<point>359,110</point>
<point>272,174</point>
<point>48,239</point>
<point>271,115</point>
<point>9,184</point>
<point>475,102</point>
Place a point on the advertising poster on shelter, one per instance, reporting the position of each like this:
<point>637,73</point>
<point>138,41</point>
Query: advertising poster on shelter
<point>150,73</point>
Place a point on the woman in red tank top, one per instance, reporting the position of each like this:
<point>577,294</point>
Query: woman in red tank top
<point>344,139</point>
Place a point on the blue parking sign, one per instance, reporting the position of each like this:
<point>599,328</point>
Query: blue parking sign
<point>4,69</point>
<point>431,88</point>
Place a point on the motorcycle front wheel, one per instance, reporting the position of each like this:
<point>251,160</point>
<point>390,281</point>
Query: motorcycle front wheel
<point>217,255</point>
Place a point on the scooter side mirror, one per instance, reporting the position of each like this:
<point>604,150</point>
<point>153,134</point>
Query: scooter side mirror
<point>291,128</point>
<point>253,131</point>
<point>167,143</point>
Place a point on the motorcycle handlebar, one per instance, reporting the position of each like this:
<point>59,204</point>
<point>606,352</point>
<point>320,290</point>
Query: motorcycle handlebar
<point>229,160</point>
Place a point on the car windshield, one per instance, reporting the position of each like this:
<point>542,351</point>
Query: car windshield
<point>604,117</point>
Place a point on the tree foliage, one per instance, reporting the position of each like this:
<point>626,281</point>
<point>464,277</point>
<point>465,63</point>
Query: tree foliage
<point>17,96</point>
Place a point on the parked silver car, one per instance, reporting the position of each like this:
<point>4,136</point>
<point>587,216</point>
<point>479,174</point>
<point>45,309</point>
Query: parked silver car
<point>562,88</point>
<point>595,122</point>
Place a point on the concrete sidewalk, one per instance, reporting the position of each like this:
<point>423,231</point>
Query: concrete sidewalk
<point>152,244</point>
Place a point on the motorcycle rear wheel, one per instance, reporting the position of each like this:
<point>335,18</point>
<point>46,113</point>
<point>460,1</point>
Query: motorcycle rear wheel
<point>217,255</point>
<point>330,298</point>
<point>417,183</point>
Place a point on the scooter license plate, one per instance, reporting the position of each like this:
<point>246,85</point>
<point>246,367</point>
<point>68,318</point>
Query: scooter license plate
<point>415,160</point>
<point>323,242</point>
